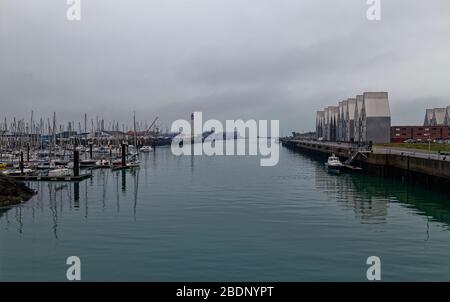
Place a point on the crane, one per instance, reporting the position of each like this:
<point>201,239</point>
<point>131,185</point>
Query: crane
<point>151,125</point>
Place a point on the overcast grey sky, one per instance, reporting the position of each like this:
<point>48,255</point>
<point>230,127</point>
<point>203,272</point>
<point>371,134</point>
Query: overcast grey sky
<point>259,59</point>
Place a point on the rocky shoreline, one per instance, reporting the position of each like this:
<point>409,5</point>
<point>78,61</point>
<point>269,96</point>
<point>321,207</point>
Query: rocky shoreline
<point>13,192</point>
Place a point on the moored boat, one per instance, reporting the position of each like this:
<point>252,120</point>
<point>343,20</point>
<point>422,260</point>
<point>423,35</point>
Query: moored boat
<point>88,163</point>
<point>62,172</point>
<point>146,149</point>
<point>18,172</point>
<point>333,164</point>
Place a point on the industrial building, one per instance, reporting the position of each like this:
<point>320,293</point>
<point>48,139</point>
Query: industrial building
<point>437,117</point>
<point>357,120</point>
<point>363,119</point>
<point>320,122</point>
<point>350,130</point>
<point>376,117</point>
<point>447,116</point>
<point>428,117</point>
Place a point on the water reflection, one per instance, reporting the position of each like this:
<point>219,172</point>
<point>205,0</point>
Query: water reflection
<point>55,198</point>
<point>370,197</point>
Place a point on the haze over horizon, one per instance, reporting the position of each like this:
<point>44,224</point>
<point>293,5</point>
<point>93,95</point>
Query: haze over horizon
<point>230,59</point>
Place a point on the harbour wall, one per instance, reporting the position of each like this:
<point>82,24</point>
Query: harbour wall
<point>432,173</point>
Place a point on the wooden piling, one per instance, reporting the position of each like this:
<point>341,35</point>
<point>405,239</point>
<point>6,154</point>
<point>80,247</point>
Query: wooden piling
<point>76,163</point>
<point>21,162</point>
<point>90,151</point>
<point>123,155</point>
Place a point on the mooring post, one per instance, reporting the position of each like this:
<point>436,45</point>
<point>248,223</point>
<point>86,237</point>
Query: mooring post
<point>76,163</point>
<point>28,152</point>
<point>123,155</point>
<point>90,150</point>
<point>21,162</point>
<point>76,187</point>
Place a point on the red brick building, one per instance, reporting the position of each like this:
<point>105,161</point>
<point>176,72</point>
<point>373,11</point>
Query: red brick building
<point>419,133</point>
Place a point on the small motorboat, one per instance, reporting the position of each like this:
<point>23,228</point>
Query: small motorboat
<point>146,149</point>
<point>103,163</point>
<point>334,164</point>
<point>102,150</point>
<point>117,164</point>
<point>18,172</point>
<point>88,163</point>
<point>62,172</point>
<point>46,164</point>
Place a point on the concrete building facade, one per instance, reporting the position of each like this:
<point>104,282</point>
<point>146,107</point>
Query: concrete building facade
<point>366,118</point>
<point>438,117</point>
<point>376,117</point>
<point>320,124</point>
<point>447,116</point>
<point>350,120</point>
<point>326,132</point>
<point>428,117</point>
<point>357,119</point>
<point>340,121</point>
<point>344,121</point>
<point>334,116</point>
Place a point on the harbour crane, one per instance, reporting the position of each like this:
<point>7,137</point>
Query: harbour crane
<point>151,125</point>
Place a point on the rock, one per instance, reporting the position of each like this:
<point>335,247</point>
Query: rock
<point>13,192</point>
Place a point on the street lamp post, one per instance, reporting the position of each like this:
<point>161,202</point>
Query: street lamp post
<point>429,148</point>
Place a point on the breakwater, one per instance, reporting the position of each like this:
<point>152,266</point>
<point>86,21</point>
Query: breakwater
<point>430,172</point>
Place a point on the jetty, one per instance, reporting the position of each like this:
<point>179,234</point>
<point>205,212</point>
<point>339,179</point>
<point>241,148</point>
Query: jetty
<point>51,178</point>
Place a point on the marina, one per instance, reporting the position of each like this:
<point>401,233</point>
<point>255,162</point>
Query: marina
<point>36,151</point>
<point>177,218</point>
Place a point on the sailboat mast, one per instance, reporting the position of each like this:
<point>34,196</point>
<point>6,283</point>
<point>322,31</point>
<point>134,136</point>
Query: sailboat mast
<point>134,126</point>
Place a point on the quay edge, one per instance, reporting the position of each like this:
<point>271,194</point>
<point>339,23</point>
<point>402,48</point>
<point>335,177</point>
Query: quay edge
<point>431,173</point>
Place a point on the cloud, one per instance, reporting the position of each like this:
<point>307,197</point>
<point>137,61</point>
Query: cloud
<point>261,59</point>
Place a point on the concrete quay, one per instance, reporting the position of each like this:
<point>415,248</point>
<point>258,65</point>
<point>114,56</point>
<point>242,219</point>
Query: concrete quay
<point>430,170</point>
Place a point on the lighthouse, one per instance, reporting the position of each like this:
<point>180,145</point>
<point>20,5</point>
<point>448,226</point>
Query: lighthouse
<point>192,128</point>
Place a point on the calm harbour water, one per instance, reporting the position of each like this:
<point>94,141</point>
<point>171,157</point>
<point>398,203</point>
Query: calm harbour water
<point>227,219</point>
